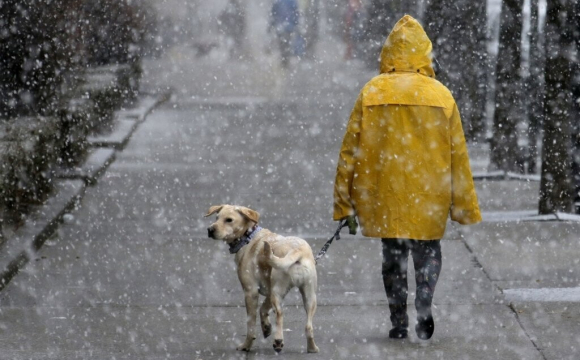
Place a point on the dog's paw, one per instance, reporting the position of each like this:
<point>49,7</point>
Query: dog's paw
<point>247,344</point>
<point>266,330</point>
<point>278,345</point>
<point>313,349</point>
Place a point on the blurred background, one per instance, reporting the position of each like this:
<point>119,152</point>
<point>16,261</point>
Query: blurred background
<point>153,110</point>
<point>490,54</point>
<point>511,65</point>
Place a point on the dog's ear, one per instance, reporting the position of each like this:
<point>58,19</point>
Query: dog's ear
<point>214,209</point>
<point>249,214</point>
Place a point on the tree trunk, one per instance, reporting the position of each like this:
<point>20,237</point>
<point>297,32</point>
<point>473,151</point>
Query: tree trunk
<point>2,239</point>
<point>535,88</point>
<point>508,109</point>
<point>576,113</point>
<point>556,186</point>
<point>474,80</point>
<point>458,33</point>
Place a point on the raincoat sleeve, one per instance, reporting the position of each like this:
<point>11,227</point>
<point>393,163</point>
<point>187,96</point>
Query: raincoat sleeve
<point>343,205</point>
<point>464,205</point>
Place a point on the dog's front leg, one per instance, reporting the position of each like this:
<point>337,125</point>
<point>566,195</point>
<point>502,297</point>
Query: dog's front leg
<point>251,312</point>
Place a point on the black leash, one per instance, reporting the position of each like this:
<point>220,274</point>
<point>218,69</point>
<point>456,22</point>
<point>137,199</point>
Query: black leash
<point>336,236</point>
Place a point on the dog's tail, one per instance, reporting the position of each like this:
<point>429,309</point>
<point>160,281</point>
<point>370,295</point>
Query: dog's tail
<point>280,263</point>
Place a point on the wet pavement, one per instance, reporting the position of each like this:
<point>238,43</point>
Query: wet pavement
<point>132,275</point>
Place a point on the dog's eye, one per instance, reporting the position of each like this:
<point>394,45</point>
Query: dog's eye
<point>229,220</point>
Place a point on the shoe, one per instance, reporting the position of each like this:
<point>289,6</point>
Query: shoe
<point>425,327</point>
<point>398,333</point>
<point>400,321</point>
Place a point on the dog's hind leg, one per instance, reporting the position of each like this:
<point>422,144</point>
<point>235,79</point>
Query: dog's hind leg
<point>276,301</point>
<point>251,312</point>
<point>308,291</point>
<point>265,318</point>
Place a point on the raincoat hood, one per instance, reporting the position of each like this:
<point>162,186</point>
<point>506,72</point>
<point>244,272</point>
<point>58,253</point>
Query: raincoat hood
<point>407,49</point>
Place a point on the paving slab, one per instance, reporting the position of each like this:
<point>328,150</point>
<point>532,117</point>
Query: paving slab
<point>527,252</point>
<point>112,332</point>
<point>554,327</point>
<point>544,294</point>
<point>508,195</point>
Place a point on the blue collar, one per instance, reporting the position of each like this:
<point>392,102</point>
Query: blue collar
<point>236,245</point>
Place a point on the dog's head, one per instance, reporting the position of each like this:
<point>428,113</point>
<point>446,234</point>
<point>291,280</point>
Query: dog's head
<point>232,222</point>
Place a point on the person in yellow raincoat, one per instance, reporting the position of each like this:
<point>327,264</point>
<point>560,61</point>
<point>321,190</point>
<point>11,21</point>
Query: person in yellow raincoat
<point>403,168</point>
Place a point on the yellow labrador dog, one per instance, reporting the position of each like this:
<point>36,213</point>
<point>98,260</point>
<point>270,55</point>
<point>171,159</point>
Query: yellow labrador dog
<point>267,264</point>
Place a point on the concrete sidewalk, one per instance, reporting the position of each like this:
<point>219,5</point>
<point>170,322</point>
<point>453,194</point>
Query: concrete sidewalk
<point>132,275</point>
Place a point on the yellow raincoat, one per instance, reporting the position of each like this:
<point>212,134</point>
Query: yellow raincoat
<point>403,165</point>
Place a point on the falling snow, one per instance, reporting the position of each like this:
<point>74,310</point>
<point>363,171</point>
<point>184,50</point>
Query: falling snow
<point>122,122</point>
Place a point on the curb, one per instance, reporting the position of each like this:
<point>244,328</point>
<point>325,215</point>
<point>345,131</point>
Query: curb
<point>504,175</point>
<point>40,225</point>
<point>94,166</point>
<point>119,137</point>
<point>527,216</point>
<point>127,121</point>
<point>70,187</point>
<point>144,106</point>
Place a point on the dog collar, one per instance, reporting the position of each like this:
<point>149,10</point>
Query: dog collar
<point>244,240</point>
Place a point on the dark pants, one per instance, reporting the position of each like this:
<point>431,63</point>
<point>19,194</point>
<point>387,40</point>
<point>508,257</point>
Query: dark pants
<point>427,261</point>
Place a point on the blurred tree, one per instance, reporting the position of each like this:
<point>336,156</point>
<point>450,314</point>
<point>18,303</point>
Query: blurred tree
<point>147,29</point>
<point>505,154</point>
<point>115,30</point>
<point>354,21</point>
<point>44,43</point>
<point>458,32</point>
<point>534,86</point>
<point>556,182</point>
<point>40,44</point>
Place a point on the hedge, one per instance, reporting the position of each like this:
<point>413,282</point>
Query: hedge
<point>66,66</point>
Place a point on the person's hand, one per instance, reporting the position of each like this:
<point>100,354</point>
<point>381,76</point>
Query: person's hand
<point>352,224</point>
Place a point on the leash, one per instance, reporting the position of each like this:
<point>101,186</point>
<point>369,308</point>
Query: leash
<point>341,224</point>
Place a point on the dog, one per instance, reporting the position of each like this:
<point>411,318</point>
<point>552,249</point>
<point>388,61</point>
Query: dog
<point>267,264</point>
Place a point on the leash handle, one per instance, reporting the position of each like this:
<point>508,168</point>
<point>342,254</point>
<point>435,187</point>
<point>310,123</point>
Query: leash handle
<point>341,224</point>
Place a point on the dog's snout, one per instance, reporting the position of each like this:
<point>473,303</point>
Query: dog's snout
<point>210,231</point>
